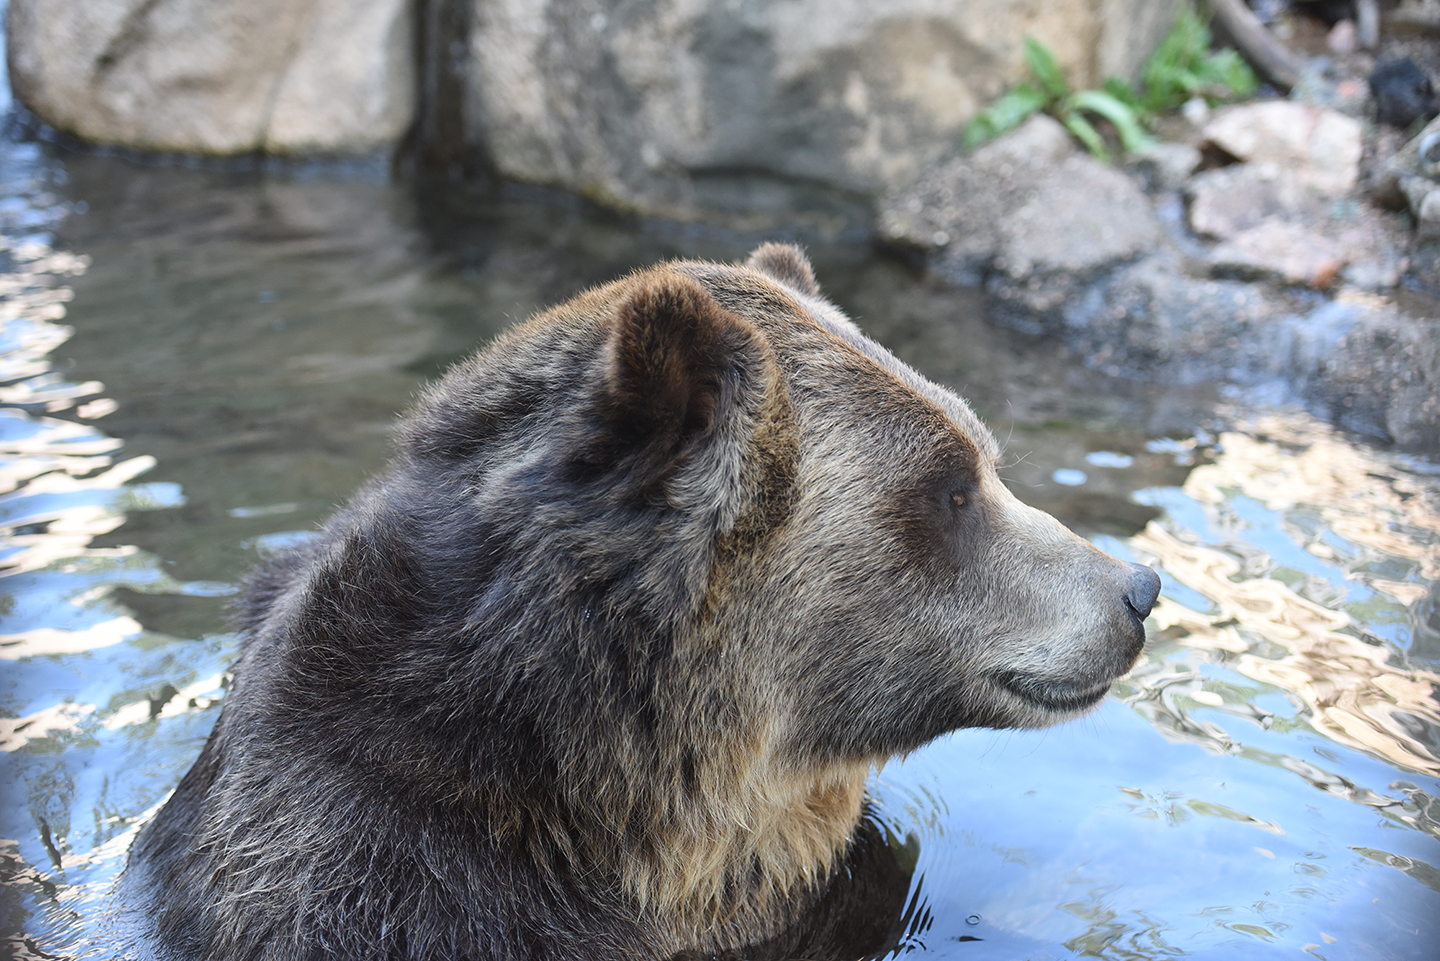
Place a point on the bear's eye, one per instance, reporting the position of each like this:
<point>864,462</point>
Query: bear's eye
<point>957,498</point>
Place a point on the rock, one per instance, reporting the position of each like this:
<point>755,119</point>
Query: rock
<point>1166,165</point>
<point>1403,93</point>
<point>1228,200</point>
<point>1279,249</point>
<point>1273,226</point>
<point>683,108</point>
<point>1081,220</point>
<point>1029,205</point>
<point>1342,38</point>
<point>1152,320</point>
<point>282,76</point>
<point>953,213</point>
<point>677,108</point>
<point>1318,146</point>
<point>1366,365</point>
<point>1408,179</point>
<point>1082,216</point>
<point>1031,212</point>
<point>1351,243</point>
<point>1426,209</point>
<point>1196,111</point>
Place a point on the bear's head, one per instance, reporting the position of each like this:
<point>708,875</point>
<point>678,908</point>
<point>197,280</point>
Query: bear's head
<point>656,579</point>
<point>698,512</point>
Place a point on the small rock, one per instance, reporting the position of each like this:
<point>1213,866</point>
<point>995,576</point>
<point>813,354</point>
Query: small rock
<point>1282,250</point>
<point>1428,216</point>
<point>1166,165</point>
<point>1228,200</point>
<point>1427,154</point>
<point>952,213</point>
<point>1403,93</point>
<point>1342,38</point>
<point>1422,196</point>
<point>1420,157</point>
<point>1084,215</point>
<point>1320,147</point>
<point>1195,110</point>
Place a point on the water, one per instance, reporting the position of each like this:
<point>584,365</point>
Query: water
<point>199,365</point>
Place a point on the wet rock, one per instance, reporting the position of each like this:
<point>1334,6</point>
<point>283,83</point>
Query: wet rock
<point>953,214</point>
<point>1319,147</point>
<point>1368,366</point>
<point>1403,93</point>
<point>318,76</point>
<point>1153,320</point>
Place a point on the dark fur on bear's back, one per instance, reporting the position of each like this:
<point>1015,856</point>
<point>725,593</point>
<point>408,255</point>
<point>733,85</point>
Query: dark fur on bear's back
<point>597,668</point>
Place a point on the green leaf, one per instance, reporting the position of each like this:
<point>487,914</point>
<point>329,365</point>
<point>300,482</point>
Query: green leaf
<point>1086,133</point>
<point>1120,89</point>
<point>1008,112</point>
<point>1046,70</point>
<point>1230,70</point>
<point>1183,66</point>
<point>1121,115</point>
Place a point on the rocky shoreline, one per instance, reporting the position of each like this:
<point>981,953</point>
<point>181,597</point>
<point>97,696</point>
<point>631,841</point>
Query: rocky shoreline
<point>1255,253</point>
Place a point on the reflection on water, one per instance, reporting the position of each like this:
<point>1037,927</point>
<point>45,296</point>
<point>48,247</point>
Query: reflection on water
<point>1322,627</point>
<point>198,366</point>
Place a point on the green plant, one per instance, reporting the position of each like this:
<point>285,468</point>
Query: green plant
<point>1182,67</point>
<point>1071,107</point>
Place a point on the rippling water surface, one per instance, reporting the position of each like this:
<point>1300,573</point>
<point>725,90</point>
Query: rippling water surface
<point>198,366</point>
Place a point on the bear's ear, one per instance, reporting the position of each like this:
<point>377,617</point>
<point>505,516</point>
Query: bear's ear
<point>787,264</point>
<point>672,370</point>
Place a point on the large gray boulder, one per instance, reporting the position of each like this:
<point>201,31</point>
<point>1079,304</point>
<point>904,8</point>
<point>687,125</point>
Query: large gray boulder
<point>217,76</point>
<point>675,106</point>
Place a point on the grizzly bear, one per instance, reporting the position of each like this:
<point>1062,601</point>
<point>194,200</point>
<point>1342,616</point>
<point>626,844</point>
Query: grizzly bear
<point>599,666</point>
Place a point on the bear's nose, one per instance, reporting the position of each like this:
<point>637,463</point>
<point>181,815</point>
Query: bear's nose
<point>1144,588</point>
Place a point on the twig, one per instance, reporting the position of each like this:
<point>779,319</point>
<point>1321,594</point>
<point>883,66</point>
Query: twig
<point>1269,56</point>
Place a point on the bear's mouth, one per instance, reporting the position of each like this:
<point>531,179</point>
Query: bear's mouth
<point>1053,695</point>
